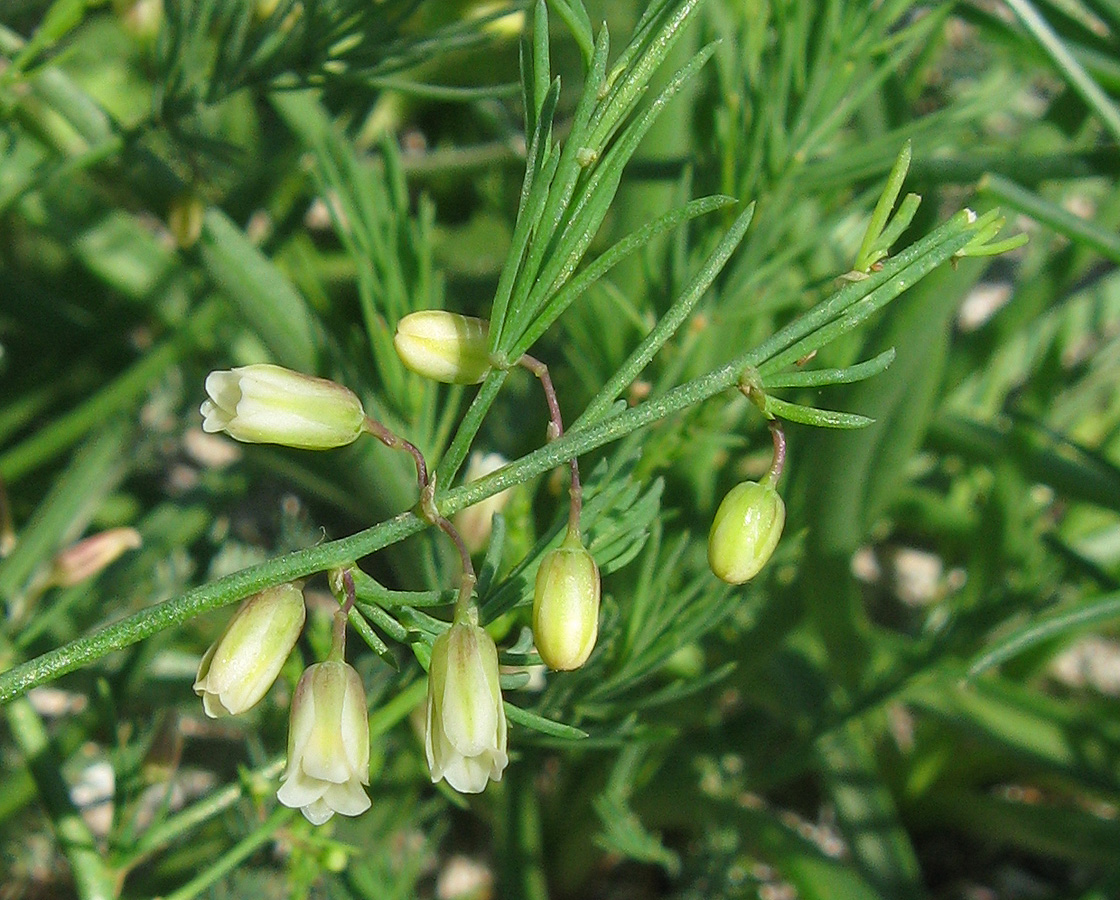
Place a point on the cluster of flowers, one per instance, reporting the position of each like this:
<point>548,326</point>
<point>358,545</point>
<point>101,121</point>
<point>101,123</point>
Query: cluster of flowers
<point>465,723</point>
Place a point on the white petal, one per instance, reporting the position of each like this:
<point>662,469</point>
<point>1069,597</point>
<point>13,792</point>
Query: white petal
<point>318,812</point>
<point>468,775</point>
<point>348,798</point>
<point>301,721</point>
<point>469,719</point>
<point>498,762</point>
<point>299,790</point>
<point>224,389</point>
<point>213,418</point>
<point>355,726</point>
<point>202,681</point>
<point>429,728</point>
<point>213,707</point>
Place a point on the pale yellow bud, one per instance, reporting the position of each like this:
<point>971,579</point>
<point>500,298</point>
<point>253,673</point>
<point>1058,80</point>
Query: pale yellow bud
<point>444,346</point>
<point>241,666</point>
<point>184,219</point>
<point>267,404</point>
<point>566,606</point>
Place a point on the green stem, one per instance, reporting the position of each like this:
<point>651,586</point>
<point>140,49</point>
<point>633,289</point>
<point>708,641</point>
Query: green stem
<point>453,459</point>
<point>670,322</point>
<point>892,281</point>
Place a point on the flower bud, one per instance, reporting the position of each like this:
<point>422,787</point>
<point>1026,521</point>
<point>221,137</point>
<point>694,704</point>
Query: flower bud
<point>328,744</point>
<point>444,346</point>
<point>90,555</point>
<point>465,734</point>
<point>566,606</point>
<point>266,404</point>
<point>474,522</point>
<point>239,668</point>
<point>745,531</point>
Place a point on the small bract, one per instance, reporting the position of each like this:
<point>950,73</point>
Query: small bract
<point>267,404</point>
<point>444,346</point>
<point>566,605</point>
<point>745,531</point>
<point>243,662</point>
<point>328,744</point>
<point>465,733</point>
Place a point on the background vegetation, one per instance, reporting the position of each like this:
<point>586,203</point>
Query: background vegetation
<point>916,698</point>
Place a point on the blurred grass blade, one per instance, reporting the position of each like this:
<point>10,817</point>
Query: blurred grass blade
<point>1067,66</point>
<point>120,396</point>
<point>91,474</point>
<point>1103,240</point>
<point>867,814</point>
<point>262,295</point>
<point>1059,624</point>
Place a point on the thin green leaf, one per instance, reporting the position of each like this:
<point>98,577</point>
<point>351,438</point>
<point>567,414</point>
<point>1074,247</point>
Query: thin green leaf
<point>820,377</point>
<point>545,726</point>
<point>806,415</point>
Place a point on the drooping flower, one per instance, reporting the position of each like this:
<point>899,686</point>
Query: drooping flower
<point>444,346</point>
<point>243,662</point>
<point>267,404</point>
<point>328,744</point>
<point>465,734</point>
<point>745,531</point>
<point>566,605</point>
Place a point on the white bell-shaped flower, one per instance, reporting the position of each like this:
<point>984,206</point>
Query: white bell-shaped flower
<point>465,737</point>
<point>328,744</point>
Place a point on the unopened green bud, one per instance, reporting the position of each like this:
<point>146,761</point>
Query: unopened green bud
<point>184,219</point>
<point>566,606</point>
<point>140,18</point>
<point>444,346</point>
<point>266,404</point>
<point>745,531</point>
